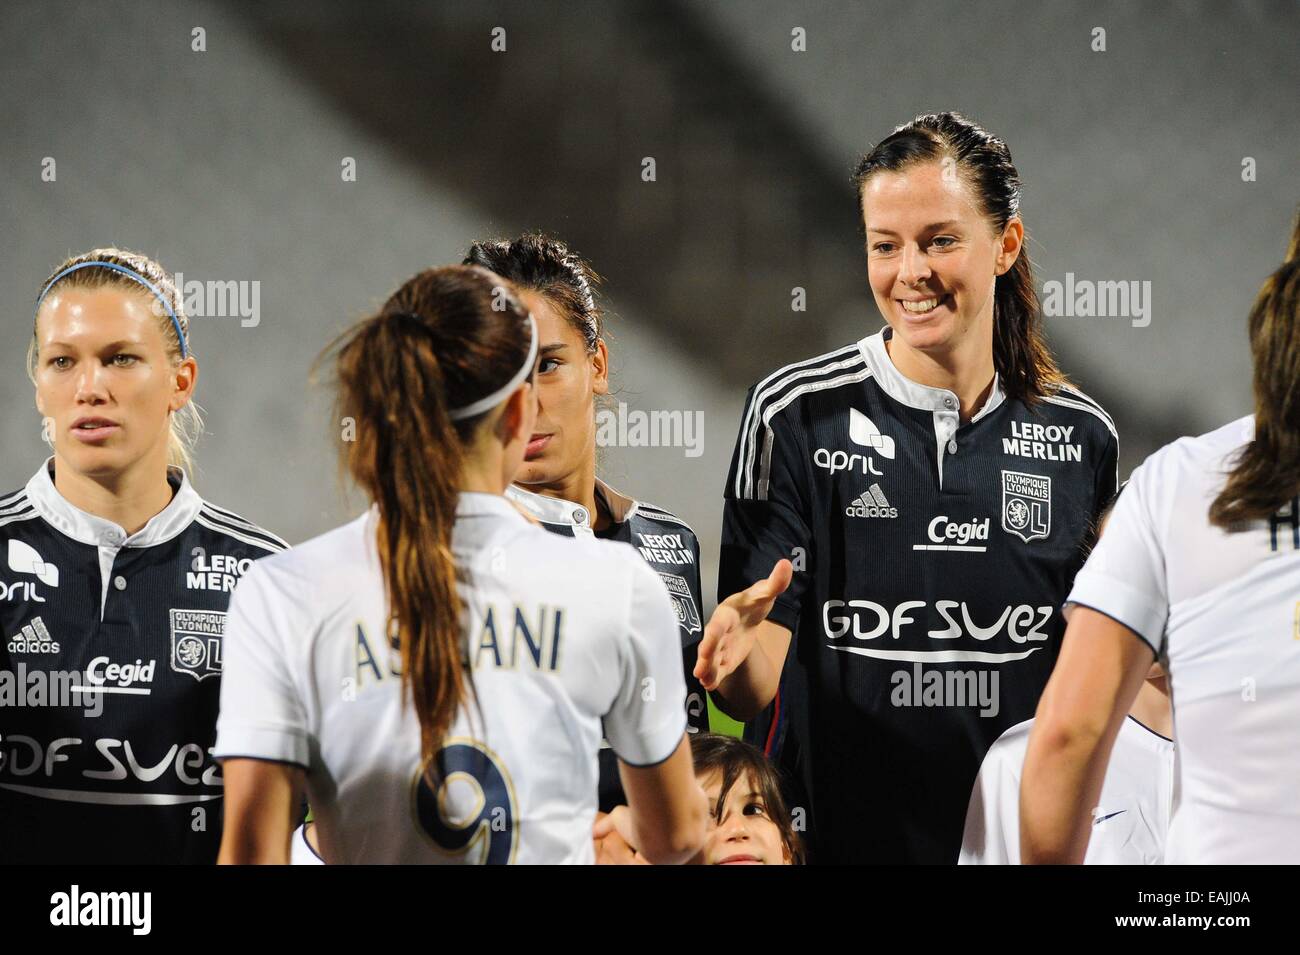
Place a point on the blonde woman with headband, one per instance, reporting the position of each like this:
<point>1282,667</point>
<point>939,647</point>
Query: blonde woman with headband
<point>117,576</point>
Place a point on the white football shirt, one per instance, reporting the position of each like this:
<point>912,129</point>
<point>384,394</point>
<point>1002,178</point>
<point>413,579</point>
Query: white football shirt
<point>561,636</point>
<point>1129,825</point>
<point>1223,613</point>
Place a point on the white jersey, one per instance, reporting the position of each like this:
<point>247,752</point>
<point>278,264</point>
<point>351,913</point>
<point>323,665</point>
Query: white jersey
<point>1129,825</point>
<point>300,850</point>
<point>1222,612</point>
<point>560,635</point>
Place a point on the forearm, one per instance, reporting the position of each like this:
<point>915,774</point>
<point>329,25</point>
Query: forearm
<point>752,686</point>
<point>1062,781</point>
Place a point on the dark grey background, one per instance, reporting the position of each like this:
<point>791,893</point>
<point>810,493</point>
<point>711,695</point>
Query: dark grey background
<point>225,164</point>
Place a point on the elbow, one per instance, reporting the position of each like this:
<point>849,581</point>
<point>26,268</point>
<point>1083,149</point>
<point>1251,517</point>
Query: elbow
<point>682,841</point>
<point>739,709</point>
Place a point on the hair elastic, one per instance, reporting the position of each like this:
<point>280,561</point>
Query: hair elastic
<point>135,277</point>
<point>494,399</point>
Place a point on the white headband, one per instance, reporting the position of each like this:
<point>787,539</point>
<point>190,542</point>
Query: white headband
<point>498,396</point>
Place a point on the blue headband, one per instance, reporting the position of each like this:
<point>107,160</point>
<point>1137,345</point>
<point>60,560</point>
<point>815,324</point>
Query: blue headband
<point>135,277</point>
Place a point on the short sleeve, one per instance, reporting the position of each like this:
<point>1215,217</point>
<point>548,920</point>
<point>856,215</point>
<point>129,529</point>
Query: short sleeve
<point>648,718</point>
<point>1125,575</point>
<point>261,711</point>
<point>1107,479</point>
<point>764,508</point>
<point>992,833</point>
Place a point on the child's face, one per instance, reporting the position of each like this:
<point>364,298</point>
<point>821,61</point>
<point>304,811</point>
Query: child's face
<point>746,834</point>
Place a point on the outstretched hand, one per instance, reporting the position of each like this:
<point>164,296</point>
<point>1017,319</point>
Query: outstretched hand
<point>732,630</point>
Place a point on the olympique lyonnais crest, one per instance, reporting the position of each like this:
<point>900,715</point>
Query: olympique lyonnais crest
<point>196,642</point>
<point>1026,505</point>
<point>683,602</point>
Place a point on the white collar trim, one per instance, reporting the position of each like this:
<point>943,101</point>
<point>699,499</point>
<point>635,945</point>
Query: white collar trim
<point>556,510</point>
<point>88,528</point>
<point>911,393</point>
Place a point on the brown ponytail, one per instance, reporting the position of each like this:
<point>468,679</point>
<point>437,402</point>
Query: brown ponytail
<point>446,338</point>
<point>1266,473</point>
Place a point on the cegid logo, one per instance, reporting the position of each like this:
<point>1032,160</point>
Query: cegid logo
<point>945,535</point>
<point>100,672</point>
<point>868,620</point>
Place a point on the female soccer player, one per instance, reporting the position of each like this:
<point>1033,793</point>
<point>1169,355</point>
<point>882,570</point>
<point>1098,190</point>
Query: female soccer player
<point>1131,822</point>
<point>482,651</point>
<point>557,482</point>
<point>750,824</point>
<point>118,575</point>
<point>932,484</point>
<point>1201,563</point>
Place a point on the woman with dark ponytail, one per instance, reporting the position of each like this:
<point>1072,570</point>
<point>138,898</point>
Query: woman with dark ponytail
<point>933,484</point>
<point>558,483</point>
<point>1199,569</point>
<point>437,672</point>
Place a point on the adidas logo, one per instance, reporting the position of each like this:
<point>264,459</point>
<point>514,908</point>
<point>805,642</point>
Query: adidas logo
<point>871,503</point>
<point>33,638</point>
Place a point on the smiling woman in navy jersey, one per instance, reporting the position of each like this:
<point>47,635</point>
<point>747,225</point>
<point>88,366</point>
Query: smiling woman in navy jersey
<point>557,483</point>
<point>934,483</point>
<point>117,575</point>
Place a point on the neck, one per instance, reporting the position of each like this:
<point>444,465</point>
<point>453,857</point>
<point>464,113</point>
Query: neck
<point>1151,707</point>
<point>966,369</point>
<point>578,486</point>
<point>483,477</point>
<point>128,498</point>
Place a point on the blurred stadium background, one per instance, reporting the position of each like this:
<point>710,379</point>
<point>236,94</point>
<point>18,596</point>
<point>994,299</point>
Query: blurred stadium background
<point>225,164</point>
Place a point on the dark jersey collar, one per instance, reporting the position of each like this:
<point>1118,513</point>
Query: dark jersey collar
<point>87,528</point>
<point>911,393</point>
<point>555,510</point>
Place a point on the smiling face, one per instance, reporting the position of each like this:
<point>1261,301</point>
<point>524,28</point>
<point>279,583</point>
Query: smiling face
<point>568,380</point>
<point>933,258</point>
<point>105,381</point>
<point>744,832</point>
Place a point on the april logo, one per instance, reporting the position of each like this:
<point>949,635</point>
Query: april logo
<point>24,559</point>
<point>863,431</point>
<point>1026,505</point>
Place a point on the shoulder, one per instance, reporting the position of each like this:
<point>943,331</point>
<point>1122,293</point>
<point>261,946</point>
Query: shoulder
<point>1193,464</point>
<point>654,514</point>
<point>329,563</point>
<point>789,383</point>
<point>15,508</point>
<point>1068,402</point>
<point>227,524</point>
<point>1214,447</point>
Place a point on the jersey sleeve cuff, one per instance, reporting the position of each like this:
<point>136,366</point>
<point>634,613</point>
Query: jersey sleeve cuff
<point>1124,604</point>
<point>652,748</point>
<point>253,742</point>
<point>785,613</point>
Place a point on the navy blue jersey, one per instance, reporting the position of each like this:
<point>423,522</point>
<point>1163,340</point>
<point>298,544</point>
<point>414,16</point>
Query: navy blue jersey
<point>932,558</point>
<point>669,546</point>
<point>110,668</point>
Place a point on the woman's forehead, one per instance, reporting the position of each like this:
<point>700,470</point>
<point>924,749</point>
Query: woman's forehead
<point>551,323</point>
<point>916,196</point>
<point>105,313</point>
